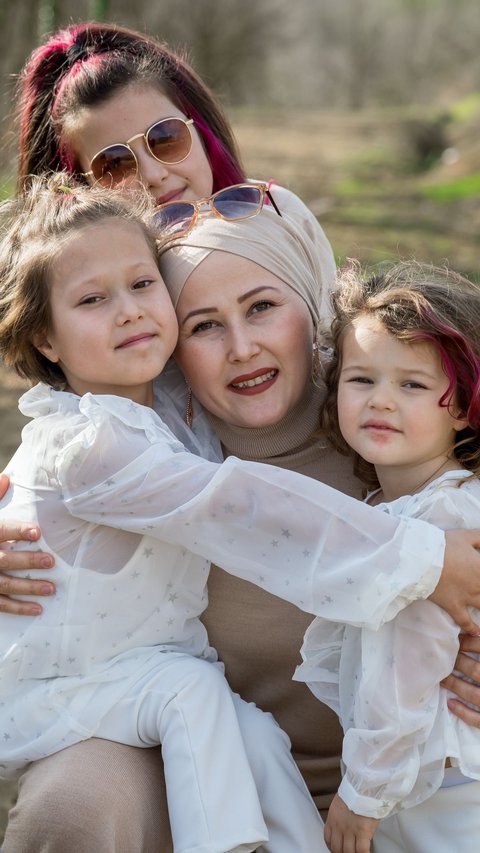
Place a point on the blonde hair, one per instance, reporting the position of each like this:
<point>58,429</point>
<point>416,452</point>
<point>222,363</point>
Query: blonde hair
<point>33,230</point>
<point>414,302</point>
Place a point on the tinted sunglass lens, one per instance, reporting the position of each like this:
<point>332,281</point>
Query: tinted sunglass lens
<point>114,165</point>
<point>238,202</point>
<point>173,218</point>
<point>170,141</point>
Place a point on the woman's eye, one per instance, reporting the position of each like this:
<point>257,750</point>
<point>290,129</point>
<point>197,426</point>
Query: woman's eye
<point>413,384</point>
<point>261,306</point>
<point>204,326</point>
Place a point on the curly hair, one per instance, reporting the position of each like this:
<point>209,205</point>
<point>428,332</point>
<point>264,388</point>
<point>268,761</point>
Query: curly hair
<point>414,302</point>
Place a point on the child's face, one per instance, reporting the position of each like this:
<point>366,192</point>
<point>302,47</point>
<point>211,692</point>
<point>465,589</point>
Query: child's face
<point>388,399</point>
<point>113,325</point>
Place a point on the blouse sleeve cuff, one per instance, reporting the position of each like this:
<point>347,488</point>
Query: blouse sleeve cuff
<point>363,805</point>
<point>432,549</point>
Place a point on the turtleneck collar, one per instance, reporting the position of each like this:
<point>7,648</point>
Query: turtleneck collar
<point>289,437</point>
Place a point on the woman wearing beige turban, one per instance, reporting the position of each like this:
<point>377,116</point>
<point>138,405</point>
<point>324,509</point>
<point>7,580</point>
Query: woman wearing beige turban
<point>248,297</point>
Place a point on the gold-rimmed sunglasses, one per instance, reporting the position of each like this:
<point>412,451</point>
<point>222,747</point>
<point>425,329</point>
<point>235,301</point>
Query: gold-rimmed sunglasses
<point>169,141</point>
<point>240,201</point>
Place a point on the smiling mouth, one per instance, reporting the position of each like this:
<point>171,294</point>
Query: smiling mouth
<point>173,195</point>
<point>135,340</point>
<point>257,380</point>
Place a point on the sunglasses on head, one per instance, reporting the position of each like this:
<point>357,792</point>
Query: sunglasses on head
<point>241,201</point>
<point>169,141</point>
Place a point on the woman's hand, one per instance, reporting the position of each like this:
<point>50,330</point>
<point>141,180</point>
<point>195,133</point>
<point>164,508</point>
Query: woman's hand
<point>347,832</point>
<point>12,561</point>
<point>459,584</point>
<point>465,690</point>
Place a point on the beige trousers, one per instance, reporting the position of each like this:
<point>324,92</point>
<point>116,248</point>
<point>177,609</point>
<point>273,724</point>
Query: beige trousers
<point>96,796</point>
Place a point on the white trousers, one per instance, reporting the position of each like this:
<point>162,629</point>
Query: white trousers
<point>448,822</point>
<point>232,784</point>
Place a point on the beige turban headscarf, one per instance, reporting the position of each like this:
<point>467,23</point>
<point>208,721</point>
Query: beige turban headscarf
<point>274,242</point>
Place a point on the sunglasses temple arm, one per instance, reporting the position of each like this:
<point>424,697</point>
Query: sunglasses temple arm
<point>272,202</point>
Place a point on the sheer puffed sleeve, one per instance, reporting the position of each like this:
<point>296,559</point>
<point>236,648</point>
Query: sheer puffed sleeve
<point>299,539</point>
<point>385,684</point>
<point>170,401</point>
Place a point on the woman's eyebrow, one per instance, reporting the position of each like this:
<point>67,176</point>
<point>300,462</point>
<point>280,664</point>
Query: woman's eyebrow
<point>255,290</point>
<point>212,310</point>
<point>197,311</point>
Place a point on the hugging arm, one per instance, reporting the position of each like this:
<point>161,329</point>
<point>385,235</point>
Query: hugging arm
<point>351,548</point>
<point>465,682</point>
<point>324,552</point>
<point>11,561</point>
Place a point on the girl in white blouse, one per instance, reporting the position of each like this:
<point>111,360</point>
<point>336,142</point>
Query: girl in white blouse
<point>404,395</point>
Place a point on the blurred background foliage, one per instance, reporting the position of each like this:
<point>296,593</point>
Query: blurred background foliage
<point>315,53</point>
<point>369,109</point>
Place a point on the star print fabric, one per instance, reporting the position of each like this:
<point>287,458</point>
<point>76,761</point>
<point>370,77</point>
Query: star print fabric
<point>129,511</point>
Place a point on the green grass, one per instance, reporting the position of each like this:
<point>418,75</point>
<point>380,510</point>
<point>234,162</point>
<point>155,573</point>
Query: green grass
<point>466,108</point>
<point>7,188</point>
<point>467,186</point>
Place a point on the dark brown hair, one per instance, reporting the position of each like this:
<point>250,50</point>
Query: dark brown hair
<point>86,64</point>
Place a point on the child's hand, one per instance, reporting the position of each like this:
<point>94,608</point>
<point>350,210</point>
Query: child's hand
<point>347,832</point>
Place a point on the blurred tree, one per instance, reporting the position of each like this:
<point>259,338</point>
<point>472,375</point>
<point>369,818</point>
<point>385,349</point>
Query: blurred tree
<point>49,16</point>
<point>342,54</point>
<point>19,30</point>
<point>227,41</point>
<point>99,10</point>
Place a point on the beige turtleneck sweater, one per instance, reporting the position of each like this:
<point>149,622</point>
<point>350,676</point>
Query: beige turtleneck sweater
<point>258,636</point>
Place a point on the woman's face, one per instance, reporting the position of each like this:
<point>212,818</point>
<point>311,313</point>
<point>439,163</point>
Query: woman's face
<point>245,341</point>
<point>132,110</point>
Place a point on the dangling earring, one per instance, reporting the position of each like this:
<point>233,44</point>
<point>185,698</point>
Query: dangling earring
<point>189,408</point>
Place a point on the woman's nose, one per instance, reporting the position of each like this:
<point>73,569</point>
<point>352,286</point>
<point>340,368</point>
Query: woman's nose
<point>151,172</point>
<point>241,344</point>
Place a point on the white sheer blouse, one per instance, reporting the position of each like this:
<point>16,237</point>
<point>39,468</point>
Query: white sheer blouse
<point>134,520</point>
<point>384,684</point>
